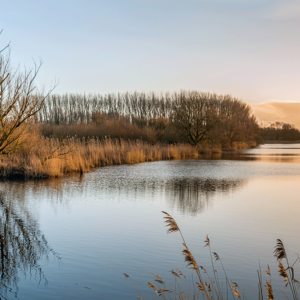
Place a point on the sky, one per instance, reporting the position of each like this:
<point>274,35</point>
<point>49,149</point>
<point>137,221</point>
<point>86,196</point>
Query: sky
<point>287,112</point>
<point>247,48</point>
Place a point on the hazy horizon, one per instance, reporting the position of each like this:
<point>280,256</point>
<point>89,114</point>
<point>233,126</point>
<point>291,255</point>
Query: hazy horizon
<point>272,111</point>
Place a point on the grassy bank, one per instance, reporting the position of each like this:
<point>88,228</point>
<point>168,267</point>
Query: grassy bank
<point>41,157</point>
<point>52,158</point>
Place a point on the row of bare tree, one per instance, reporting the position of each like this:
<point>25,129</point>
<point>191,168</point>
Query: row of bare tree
<point>196,116</point>
<point>74,108</point>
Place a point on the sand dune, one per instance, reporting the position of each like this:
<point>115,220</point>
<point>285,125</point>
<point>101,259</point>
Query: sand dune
<point>287,112</point>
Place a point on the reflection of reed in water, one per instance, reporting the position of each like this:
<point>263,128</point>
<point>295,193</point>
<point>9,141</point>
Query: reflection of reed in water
<point>194,195</point>
<point>22,245</point>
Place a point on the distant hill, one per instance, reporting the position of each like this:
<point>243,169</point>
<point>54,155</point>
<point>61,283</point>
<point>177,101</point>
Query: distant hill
<point>287,112</point>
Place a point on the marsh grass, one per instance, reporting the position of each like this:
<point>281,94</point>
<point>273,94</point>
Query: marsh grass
<point>207,285</point>
<point>41,157</point>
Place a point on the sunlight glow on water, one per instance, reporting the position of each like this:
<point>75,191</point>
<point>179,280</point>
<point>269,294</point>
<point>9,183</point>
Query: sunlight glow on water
<point>109,221</point>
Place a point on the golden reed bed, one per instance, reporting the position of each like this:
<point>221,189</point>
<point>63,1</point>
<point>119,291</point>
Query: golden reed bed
<point>42,157</point>
<point>49,157</point>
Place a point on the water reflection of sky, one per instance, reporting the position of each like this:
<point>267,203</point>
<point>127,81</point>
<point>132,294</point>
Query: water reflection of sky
<point>108,222</point>
<point>282,153</point>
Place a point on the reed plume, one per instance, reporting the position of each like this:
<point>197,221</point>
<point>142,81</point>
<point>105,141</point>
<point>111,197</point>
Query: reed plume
<point>180,273</point>
<point>207,241</point>
<point>189,258</point>
<point>268,271</point>
<point>162,291</point>
<point>269,290</point>
<point>171,223</point>
<point>279,251</point>
<point>174,274</point>
<point>160,281</point>
<point>152,286</point>
<point>235,291</point>
<point>208,286</point>
<point>200,287</point>
<point>282,271</point>
<point>217,257</point>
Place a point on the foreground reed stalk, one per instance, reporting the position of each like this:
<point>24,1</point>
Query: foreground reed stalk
<point>211,289</point>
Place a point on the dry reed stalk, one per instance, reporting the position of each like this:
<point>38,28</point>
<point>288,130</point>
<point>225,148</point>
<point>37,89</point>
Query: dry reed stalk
<point>280,253</point>
<point>282,271</point>
<point>171,223</point>
<point>268,271</point>
<point>49,157</point>
<point>188,257</point>
<point>152,286</point>
<point>135,287</point>
<point>270,295</point>
<point>210,289</point>
<point>235,291</point>
<point>216,286</point>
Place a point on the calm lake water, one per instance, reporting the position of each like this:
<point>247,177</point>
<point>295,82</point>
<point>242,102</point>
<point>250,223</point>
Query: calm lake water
<point>72,238</point>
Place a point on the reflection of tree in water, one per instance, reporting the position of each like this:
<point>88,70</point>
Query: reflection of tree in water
<point>22,245</point>
<point>193,195</point>
<point>189,195</point>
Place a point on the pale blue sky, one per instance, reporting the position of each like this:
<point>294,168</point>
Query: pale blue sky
<point>250,49</point>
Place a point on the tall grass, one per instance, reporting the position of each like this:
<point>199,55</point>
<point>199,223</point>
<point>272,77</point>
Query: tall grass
<point>51,157</point>
<point>207,285</point>
<point>70,149</point>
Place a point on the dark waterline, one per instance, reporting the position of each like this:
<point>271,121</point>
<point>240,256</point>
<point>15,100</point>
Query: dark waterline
<point>72,238</point>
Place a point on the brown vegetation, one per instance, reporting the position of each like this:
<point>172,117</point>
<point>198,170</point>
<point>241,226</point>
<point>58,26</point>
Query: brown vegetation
<point>41,155</point>
<point>19,103</point>
<point>207,285</point>
<point>184,117</point>
<point>54,149</point>
<point>44,157</point>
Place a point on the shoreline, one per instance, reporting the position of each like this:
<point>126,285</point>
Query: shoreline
<point>280,142</point>
<point>79,156</point>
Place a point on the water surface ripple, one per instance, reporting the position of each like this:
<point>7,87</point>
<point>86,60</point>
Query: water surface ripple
<point>72,238</point>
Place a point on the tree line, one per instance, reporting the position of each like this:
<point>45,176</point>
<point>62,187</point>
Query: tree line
<point>75,108</point>
<point>279,131</point>
<point>185,116</point>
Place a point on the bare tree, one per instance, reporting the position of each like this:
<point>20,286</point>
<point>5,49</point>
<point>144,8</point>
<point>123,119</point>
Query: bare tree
<point>194,115</point>
<point>19,102</point>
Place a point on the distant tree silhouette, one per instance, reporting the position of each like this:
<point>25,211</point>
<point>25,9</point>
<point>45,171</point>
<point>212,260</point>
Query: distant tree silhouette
<point>279,131</point>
